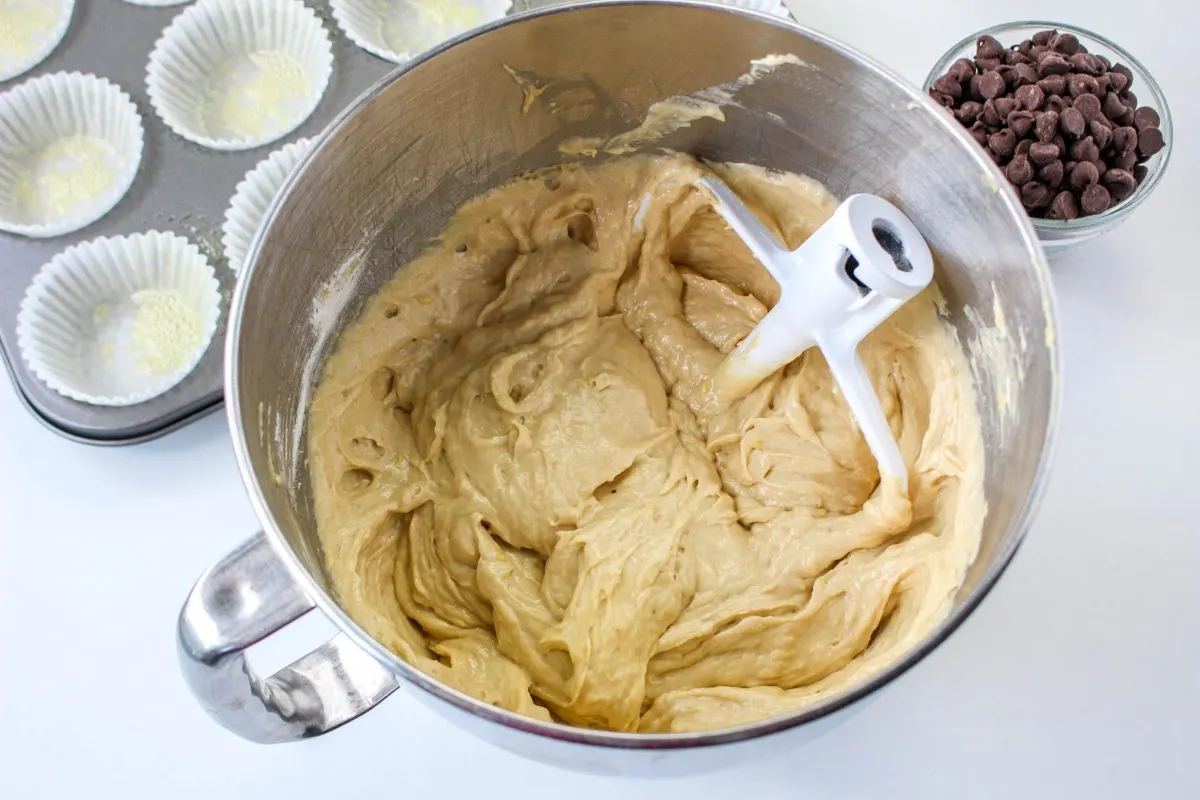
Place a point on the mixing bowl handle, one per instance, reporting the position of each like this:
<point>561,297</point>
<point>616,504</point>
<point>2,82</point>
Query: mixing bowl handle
<point>242,599</point>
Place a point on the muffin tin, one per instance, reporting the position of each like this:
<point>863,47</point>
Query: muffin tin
<point>181,187</point>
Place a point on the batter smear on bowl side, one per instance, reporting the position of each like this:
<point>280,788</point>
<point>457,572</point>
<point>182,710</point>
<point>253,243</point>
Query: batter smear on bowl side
<point>526,486</point>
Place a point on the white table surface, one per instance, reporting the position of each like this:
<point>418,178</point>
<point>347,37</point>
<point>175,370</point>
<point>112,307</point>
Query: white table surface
<point>1078,677</point>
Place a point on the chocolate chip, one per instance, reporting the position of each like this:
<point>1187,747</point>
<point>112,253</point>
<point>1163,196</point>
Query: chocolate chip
<point>1065,43</point>
<point>1064,206</point>
<point>1026,74</point>
<point>1021,123</point>
<point>1053,64</point>
<point>1087,64</point>
<point>1095,199</point>
<point>1060,143</point>
<point>996,157</point>
<point>973,87</point>
<point>1129,98</point>
<point>1005,106</point>
<point>988,47</point>
<point>1145,117</point>
<point>1112,106</point>
<point>1085,150</point>
<point>991,85</point>
<point>1003,143</point>
<point>990,115</point>
<point>1103,84</point>
<point>1031,98</point>
<point>1043,38</point>
<point>1084,174</point>
<point>1117,81</point>
<point>1125,160</point>
<point>988,64</point>
<point>1023,147</point>
<point>968,112</point>
<point>1057,102</point>
<point>942,99</point>
<point>1054,84</point>
<point>961,70</point>
<point>1045,125</point>
<point>1035,195</point>
<point>1124,139</point>
<point>1088,105</point>
<point>1025,47</point>
<point>1120,183</point>
<point>1102,134</point>
<point>1042,153</point>
<point>1079,84</point>
<point>1072,122</point>
<point>1015,57</point>
<point>979,133</point>
<point>1019,171</point>
<point>948,84</point>
<point>1121,69</point>
<point>1150,141</point>
<point>1140,172</point>
<point>1104,62</point>
<point>1052,173</point>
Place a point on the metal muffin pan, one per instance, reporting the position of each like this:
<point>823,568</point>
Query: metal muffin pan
<point>180,187</point>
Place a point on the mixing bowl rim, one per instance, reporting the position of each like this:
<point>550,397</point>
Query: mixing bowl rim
<point>560,731</point>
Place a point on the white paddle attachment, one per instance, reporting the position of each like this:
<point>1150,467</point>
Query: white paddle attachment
<point>850,276</point>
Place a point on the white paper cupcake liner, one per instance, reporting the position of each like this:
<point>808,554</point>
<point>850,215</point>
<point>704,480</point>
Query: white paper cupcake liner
<point>253,197</point>
<point>397,30</point>
<point>237,74</point>
<point>29,31</point>
<point>70,146</point>
<point>774,7</point>
<point>116,321</point>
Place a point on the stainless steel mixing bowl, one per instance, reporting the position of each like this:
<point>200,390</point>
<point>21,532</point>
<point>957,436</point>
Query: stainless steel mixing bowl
<point>450,125</point>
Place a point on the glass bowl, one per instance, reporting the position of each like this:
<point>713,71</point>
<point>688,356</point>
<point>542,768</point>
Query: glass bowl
<point>1057,235</point>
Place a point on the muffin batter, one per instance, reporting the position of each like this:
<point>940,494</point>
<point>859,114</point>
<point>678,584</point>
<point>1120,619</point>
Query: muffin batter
<point>528,486</point>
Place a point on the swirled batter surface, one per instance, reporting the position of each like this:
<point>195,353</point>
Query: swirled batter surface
<point>526,487</point>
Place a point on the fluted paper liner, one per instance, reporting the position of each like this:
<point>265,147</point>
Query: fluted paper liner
<point>70,146</point>
<point>30,30</point>
<point>397,30</point>
<point>117,321</point>
<point>237,74</point>
<point>253,197</point>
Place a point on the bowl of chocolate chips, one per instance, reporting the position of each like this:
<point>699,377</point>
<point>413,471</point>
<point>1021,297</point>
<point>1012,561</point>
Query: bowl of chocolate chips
<point>1078,126</point>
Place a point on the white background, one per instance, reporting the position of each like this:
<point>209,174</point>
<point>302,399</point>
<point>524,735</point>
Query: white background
<point>1079,676</point>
